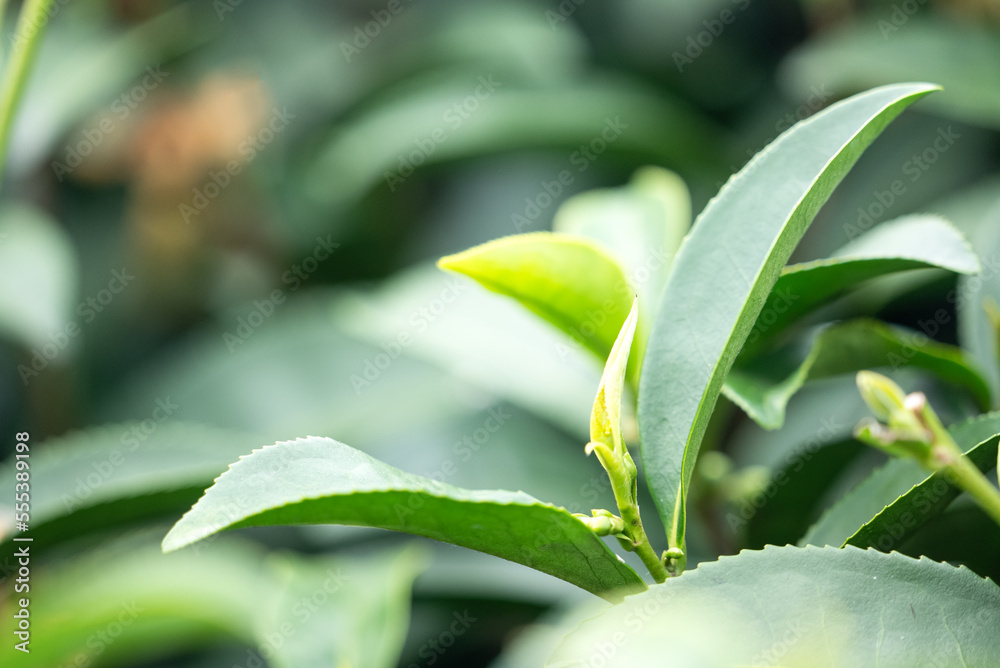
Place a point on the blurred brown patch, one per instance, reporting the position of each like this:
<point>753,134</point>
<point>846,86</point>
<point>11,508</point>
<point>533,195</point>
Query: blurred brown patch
<point>167,150</point>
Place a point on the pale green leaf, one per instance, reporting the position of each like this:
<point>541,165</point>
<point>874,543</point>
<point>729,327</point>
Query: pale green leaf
<point>641,225</point>
<point>321,481</point>
<point>724,272</point>
<point>569,281</point>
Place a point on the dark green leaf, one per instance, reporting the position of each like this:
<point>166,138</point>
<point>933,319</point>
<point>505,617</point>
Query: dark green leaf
<point>724,272</point>
<point>763,386</point>
<point>321,481</point>
<point>911,242</point>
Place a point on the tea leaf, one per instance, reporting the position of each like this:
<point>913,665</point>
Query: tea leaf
<point>789,606</point>
<point>763,386</point>
<point>320,481</point>
<point>724,272</point>
<point>569,281</point>
<point>910,242</point>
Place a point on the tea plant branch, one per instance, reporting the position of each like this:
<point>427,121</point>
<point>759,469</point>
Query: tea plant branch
<point>607,443</point>
<point>623,475</point>
<point>27,36</point>
<point>913,429</point>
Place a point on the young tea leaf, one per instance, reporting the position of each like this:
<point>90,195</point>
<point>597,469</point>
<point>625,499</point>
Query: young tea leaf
<point>606,418</point>
<point>641,225</point>
<point>569,281</point>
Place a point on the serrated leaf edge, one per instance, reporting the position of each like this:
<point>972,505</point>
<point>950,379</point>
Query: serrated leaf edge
<point>855,490</point>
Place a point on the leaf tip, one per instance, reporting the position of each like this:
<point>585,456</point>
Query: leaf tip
<point>173,541</point>
<point>449,262</point>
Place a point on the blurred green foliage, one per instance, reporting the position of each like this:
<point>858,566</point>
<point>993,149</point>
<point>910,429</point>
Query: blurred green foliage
<point>218,230</point>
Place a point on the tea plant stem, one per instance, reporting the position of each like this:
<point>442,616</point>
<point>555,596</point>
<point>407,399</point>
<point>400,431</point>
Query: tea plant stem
<point>27,36</point>
<point>965,475</point>
<point>915,430</point>
<point>624,490</point>
<point>948,457</point>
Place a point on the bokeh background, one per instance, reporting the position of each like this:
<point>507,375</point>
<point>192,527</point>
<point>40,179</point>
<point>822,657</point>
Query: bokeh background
<point>218,218</point>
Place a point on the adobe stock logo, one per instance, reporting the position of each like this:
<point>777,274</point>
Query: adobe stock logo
<point>420,321</point>
<point>363,35</point>
<point>122,108</point>
<point>914,168</point>
<point>59,340</point>
<point>454,116</point>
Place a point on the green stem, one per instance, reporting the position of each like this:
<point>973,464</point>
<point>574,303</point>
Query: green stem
<point>957,467</point>
<point>964,474</point>
<point>915,430</point>
<point>622,485</point>
<point>30,26</point>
